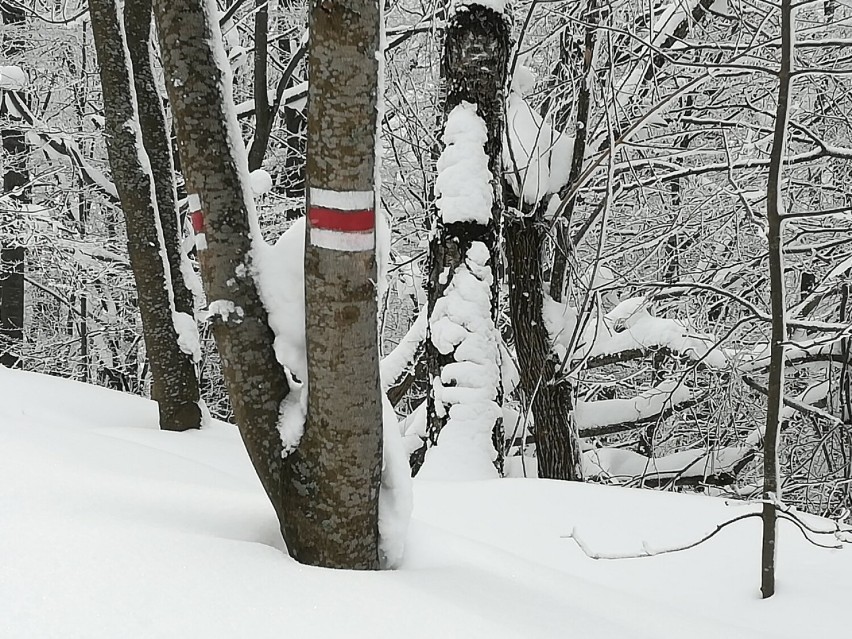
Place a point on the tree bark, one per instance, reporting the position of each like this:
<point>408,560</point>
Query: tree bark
<point>342,444</point>
<point>545,392</point>
<point>155,136</point>
<point>175,386</point>
<point>325,491</point>
<point>199,87</point>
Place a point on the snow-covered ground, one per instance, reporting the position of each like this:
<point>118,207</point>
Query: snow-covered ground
<point>110,528</point>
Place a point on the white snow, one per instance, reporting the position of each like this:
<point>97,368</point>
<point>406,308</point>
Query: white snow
<point>646,404</point>
<point>616,463</point>
<point>187,335</point>
<point>396,499</point>
<point>498,6</point>
<point>629,326</point>
<point>402,358</point>
<point>280,275</point>
<point>463,185</point>
<point>13,78</point>
<point>537,156</point>
<point>291,415</point>
<point>112,528</point>
<point>224,309</point>
<point>261,182</point>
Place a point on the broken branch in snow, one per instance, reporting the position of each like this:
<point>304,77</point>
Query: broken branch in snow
<point>648,551</point>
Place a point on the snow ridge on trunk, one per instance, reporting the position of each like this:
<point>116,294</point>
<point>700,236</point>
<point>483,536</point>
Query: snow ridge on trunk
<point>461,322</point>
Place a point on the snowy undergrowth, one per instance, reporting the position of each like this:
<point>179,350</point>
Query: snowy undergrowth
<point>112,528</point>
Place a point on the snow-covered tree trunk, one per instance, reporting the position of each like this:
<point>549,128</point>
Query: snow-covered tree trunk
<point>16,186</point>
<point>342,443</point>
<point>462,345</point>
<point>170,342</point>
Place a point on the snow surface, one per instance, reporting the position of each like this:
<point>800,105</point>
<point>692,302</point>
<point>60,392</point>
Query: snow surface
<point>112,528</point>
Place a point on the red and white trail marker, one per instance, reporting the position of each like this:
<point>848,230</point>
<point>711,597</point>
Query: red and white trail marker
<point>196,217</point>
<point>342,220</point>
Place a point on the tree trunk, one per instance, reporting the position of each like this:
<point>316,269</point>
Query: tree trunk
<point>155,136</point>
<point>545,392</point>
<point>15,183</point>
<point>262,116</point>
<point>175,386</point>
<point>325,491</point>
<point>475,59</point>
<point>342,444</point>
<point>199,89</point>
<point>775,399</point>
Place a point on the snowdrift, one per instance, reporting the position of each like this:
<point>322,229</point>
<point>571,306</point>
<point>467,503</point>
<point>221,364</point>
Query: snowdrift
<point>110,528</point>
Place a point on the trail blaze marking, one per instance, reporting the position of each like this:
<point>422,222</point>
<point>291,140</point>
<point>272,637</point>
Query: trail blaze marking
<point>196,218</point>
<point>342,220</point>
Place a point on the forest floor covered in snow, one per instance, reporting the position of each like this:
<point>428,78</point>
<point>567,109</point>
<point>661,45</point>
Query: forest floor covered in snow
<point>111,528</point>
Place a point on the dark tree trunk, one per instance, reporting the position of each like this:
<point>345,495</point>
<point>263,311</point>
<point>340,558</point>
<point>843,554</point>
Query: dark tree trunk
<point>155,136</point>
<point>775,398</point>
<point>175,386</point>
<point>474,65</point>
<point>544,390</point>
<point>262,115</point>
<point>15,183</point>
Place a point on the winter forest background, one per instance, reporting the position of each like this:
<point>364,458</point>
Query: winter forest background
<point>619,233</point>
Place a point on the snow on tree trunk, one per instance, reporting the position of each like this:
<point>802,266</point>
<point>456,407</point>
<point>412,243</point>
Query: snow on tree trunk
<point>463,357</point>
<point>213,159</point>
<point>175,385</point>
<point>152,119</point>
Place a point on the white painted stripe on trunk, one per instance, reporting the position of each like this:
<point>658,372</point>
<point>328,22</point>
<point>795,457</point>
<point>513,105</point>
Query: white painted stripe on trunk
<point>343,241</point>
<point>194,202</point>
<point>342,200</point>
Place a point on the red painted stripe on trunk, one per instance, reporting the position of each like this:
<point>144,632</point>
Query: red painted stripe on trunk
<point>347,221</point>
<point>197,219</point>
